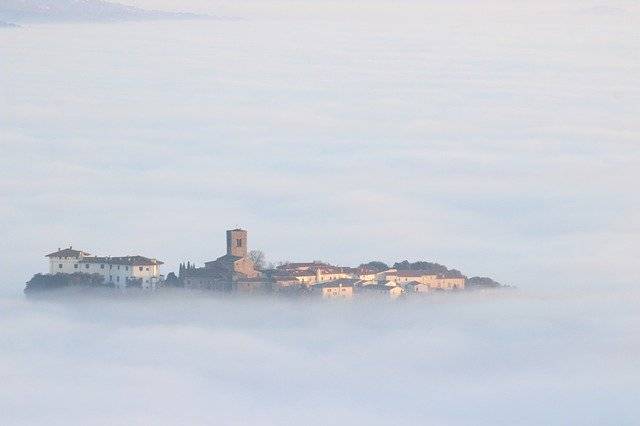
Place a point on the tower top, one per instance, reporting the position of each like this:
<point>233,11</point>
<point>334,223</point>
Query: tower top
<point>237,242</point>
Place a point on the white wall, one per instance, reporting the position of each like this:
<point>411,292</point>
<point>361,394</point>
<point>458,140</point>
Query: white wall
<point>65,265</point>
<point>118,274</point>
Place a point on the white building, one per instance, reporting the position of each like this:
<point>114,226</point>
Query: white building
<point>417,287</point>
<point>385,290</point>
<point>118,271</point>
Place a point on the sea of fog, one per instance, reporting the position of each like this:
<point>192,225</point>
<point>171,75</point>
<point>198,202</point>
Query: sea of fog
<point>174,358</point>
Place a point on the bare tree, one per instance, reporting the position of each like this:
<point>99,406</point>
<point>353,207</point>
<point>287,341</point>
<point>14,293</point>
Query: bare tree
<point>257,257</point>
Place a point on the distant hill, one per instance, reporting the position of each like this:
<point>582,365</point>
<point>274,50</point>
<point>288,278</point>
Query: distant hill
<point>78,10</point>
<point>7,25</point>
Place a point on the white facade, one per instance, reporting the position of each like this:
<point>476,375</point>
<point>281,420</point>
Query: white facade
<point>115,270</point>
<point>65,261</point>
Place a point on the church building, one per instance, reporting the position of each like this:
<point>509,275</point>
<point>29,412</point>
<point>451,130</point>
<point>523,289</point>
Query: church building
<point>226,271</point>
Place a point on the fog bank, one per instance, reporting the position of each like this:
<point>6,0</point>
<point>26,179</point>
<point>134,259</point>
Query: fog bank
<point>168,359</point>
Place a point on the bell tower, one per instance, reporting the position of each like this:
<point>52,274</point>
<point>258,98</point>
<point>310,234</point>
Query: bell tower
<point>237,242</point>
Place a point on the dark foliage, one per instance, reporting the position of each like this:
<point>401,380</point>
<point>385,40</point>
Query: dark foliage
<point>134,283</point>
<point>173,281</point>
<point>376,266</point>
<point>430,267</point>
<point>40,282</point>
<point>483,282</point>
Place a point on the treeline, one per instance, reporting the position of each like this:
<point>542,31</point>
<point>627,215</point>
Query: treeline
<point>428,267</point>
<point>41,282</point>
<point>483,282</point>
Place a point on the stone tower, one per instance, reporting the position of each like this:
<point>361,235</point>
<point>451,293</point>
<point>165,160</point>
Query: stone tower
<point>237,242</point>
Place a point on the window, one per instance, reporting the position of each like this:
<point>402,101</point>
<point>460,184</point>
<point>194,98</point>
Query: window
<point>60,265</point>
<point>86,266</point>
<point>102,266</point>
<point>111,278</point>
<point>126,268</point>
<point>118,278</point>
<point>239,242</point>
<point>146,269</point>
<point>118,267</point>
<point>75,266</point>
<point>140,268</point>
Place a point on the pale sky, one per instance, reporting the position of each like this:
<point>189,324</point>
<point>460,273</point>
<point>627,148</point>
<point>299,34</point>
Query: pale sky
<point>499,139</point>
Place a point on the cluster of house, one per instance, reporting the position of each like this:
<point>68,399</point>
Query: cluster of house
<point>235,271</point>
<point>331,281</point>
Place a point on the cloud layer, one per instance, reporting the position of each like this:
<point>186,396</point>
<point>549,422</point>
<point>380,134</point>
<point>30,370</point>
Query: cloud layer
<point>480,359</point>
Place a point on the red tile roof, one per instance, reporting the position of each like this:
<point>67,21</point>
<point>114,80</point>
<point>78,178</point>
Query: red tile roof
<point>414,273</point>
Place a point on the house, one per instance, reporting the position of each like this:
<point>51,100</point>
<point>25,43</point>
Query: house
<point>65,261</point>
<point>281,281</point>
<point>416,287</point>
<point>450,282</point>
<point>382,290</point>
<point>314,272</point>
<point>424,277</point>
<point>338,289</point>
<point>306,277</point>
<point>364,274</point>
<point>121,271</point>
<point>331,274</point>
<point>301,266</point>
<point>387,275</point>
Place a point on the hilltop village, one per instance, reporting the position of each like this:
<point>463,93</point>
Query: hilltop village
<point>240,271</point>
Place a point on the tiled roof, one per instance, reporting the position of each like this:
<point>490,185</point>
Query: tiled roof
<point>207,273</point>
<point>301,265</point>
<point>227,258</point>
<point>123,260</point>
<point>343,282</point>
<point>450,275</point>
<point>303,274</point>
<point>69,252</point>
<point>377,287</point>
<point>414,273</point>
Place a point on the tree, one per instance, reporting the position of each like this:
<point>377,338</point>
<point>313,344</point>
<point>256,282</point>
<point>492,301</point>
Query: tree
<point>483,282</point>
<point>258,258</point>
<point>42,282</point>
<point>375,265</point>
<point>172,280</point>
<point>434,268</point>
<point>134,282</point>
